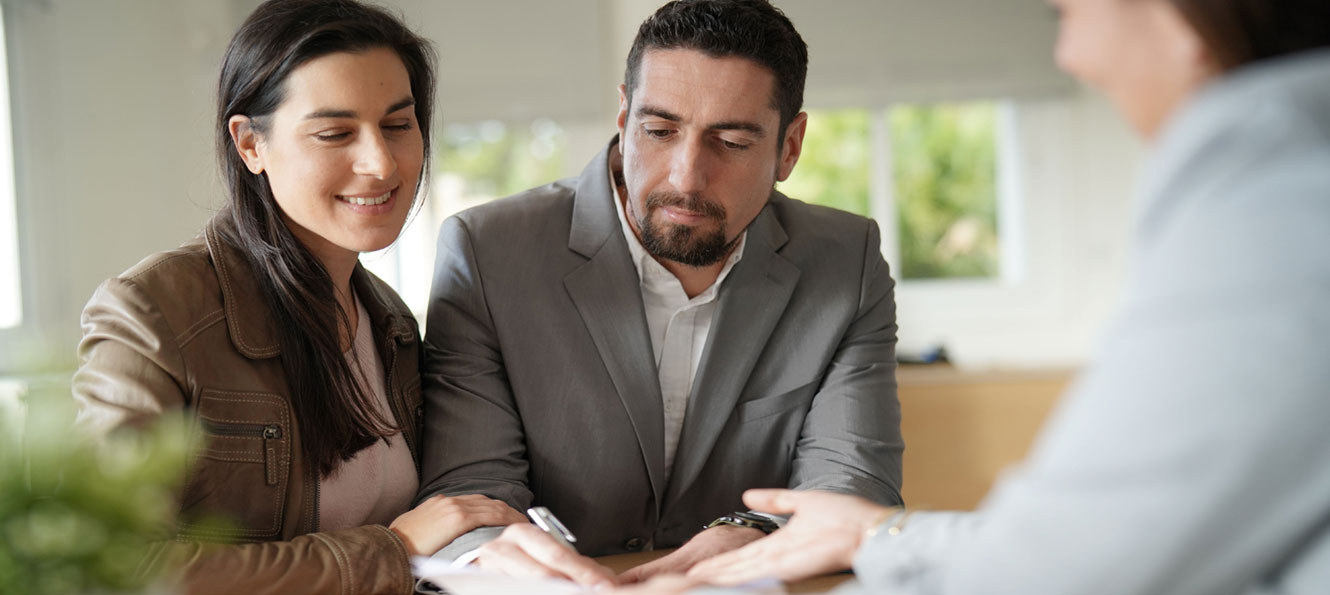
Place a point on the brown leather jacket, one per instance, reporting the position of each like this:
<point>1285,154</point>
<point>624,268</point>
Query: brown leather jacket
<point>187,330</point>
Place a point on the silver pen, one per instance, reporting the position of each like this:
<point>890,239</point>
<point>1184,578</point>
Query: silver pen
<point>550,524</point>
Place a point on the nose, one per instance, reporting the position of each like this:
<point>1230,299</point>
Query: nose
<point>688,167</point>
<point>374,158</point>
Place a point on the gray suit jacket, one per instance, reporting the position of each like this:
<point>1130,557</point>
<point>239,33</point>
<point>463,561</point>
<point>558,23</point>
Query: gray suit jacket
<point>541,387</point>
<point>1193,456</point>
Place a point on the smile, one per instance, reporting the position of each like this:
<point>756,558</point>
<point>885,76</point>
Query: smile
<point>366,200</point>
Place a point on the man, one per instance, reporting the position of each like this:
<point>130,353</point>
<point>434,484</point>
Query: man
<point>635,347</point>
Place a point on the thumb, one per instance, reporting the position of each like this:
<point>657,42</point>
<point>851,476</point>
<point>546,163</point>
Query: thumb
<point>772,501</point>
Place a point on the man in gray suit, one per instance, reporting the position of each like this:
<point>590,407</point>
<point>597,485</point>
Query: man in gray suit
<point>635,347</point>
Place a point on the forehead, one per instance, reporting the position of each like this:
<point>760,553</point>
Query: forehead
<point>699,87</point>
<point>348,80</point>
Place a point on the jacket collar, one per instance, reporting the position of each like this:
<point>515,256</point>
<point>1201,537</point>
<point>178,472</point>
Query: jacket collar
<point>249,319</point>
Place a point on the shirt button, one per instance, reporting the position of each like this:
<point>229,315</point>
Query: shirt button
<point>634,544</point>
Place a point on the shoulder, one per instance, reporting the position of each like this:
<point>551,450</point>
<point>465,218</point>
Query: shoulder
<point>179,285</point>
<point>819,232</point>
<point>537,207</point>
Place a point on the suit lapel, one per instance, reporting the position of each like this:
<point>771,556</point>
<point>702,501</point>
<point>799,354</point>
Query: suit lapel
<point>606,293</point>
<point>751,302</point>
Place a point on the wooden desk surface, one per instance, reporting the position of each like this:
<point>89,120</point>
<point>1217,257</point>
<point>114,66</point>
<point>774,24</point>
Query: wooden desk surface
<point>819,584</point>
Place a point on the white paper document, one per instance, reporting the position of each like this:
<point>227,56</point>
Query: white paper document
<point>452,580</point>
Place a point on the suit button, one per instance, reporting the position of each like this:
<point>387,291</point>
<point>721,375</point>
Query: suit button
<point>634,544</point>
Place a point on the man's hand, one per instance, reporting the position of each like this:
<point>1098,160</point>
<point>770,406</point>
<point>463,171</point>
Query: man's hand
<point>820,538</point>
<point>439,520</point>
<point>713,541</point>
<point>525,550</point>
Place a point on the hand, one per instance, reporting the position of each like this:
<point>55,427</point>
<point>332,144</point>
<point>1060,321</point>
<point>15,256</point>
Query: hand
<point>713,541</point>
<point>436,522</point>
<point>820,538</point>
<point>525,550</point>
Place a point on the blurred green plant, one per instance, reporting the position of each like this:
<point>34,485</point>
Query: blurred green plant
<point>77,517</point>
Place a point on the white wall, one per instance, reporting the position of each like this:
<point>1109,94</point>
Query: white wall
<point>113,105</point>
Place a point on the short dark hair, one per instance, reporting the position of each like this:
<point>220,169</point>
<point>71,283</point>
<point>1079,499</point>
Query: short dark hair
<point>752,29</point>
<point>1239,32</point>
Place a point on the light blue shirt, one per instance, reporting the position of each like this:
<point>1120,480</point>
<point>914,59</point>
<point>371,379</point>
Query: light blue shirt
<point>1193,454</point>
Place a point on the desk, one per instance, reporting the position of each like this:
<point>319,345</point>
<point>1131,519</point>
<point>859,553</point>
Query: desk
<point>819,584</point>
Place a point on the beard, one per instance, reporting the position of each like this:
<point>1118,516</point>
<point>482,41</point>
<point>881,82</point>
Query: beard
<point>691,246</point>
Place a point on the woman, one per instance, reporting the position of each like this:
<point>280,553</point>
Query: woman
<point>1190,456</point>
<point>299,366</point>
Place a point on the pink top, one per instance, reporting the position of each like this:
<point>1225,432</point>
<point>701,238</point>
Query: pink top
<point>380,482</point>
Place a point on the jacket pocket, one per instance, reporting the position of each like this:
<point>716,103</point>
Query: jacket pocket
<point>238,483</point>
<point>764,407</point>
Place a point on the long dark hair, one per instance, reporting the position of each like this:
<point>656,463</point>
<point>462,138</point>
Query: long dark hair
<point>336,416</point>
<point>1239,32</point>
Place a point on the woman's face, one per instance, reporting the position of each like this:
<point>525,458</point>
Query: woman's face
<point>342,153</point>
<point>1141,53</point>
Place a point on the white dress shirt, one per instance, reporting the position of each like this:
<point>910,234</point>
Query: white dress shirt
<point>679,326</point>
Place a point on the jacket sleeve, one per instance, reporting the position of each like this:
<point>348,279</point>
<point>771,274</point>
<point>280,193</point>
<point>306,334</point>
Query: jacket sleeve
<point>1189,458</point>
<point>131,373</point>
<point>851,440</point>
<point>474,440</point>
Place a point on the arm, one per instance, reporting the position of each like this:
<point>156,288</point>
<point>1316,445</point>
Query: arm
<point>851,441</point>
<point>474,441</point>
<point>131,373</point>
<point>1189,457</point>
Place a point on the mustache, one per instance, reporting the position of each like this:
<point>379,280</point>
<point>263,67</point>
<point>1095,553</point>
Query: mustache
<point>691,202</point>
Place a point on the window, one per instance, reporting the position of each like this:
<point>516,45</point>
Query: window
<point>930,174</point>
<point>473,164</point>
<point>11,307</point>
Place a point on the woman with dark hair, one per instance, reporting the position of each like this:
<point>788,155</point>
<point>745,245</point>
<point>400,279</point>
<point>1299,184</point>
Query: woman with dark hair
<point>1190,456</point>
<point>298,366</point>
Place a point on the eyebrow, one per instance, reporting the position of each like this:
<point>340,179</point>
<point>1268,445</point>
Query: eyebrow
<point>745,126</point>
<point>333,113</point>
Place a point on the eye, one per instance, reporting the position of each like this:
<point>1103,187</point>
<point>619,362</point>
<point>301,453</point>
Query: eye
<point>658,133</point>
<point>331,136</point>
<point>734,146</point>
<point>403,127</point>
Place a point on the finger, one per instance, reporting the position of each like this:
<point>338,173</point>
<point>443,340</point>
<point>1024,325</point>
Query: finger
<point>772,501</point>
<point>544,549</point>
<point>510,559</point>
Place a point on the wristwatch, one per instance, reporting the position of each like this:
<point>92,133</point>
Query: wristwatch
<point>746,519</point>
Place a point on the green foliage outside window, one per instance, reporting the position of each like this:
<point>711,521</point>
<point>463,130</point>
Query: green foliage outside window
<point>493,159</point>
<point>944,165</point>
<point>833,167</point>
<point>945,168</point>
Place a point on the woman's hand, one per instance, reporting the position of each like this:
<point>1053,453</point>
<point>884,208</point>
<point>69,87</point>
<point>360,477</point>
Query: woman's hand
<point>822,537</point>
<point>439,520</point>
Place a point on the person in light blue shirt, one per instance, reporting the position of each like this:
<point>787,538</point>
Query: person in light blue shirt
<point>1191,456</point>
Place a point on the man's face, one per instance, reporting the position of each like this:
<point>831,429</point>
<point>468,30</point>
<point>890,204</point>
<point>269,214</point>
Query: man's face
<point>702,150</point>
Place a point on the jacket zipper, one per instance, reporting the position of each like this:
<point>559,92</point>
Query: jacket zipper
<point>267,432</point>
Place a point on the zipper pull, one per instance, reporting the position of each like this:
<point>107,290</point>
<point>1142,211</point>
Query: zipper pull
<point>270,462</point>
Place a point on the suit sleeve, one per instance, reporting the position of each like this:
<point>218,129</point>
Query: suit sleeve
<point>851,441</point>
<point>132,373</point>
<point>474,440</point>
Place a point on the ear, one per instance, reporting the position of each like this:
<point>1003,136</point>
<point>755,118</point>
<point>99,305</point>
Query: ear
<point>792,146</point>
<point>622,119</point>
<point>246,140</point>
